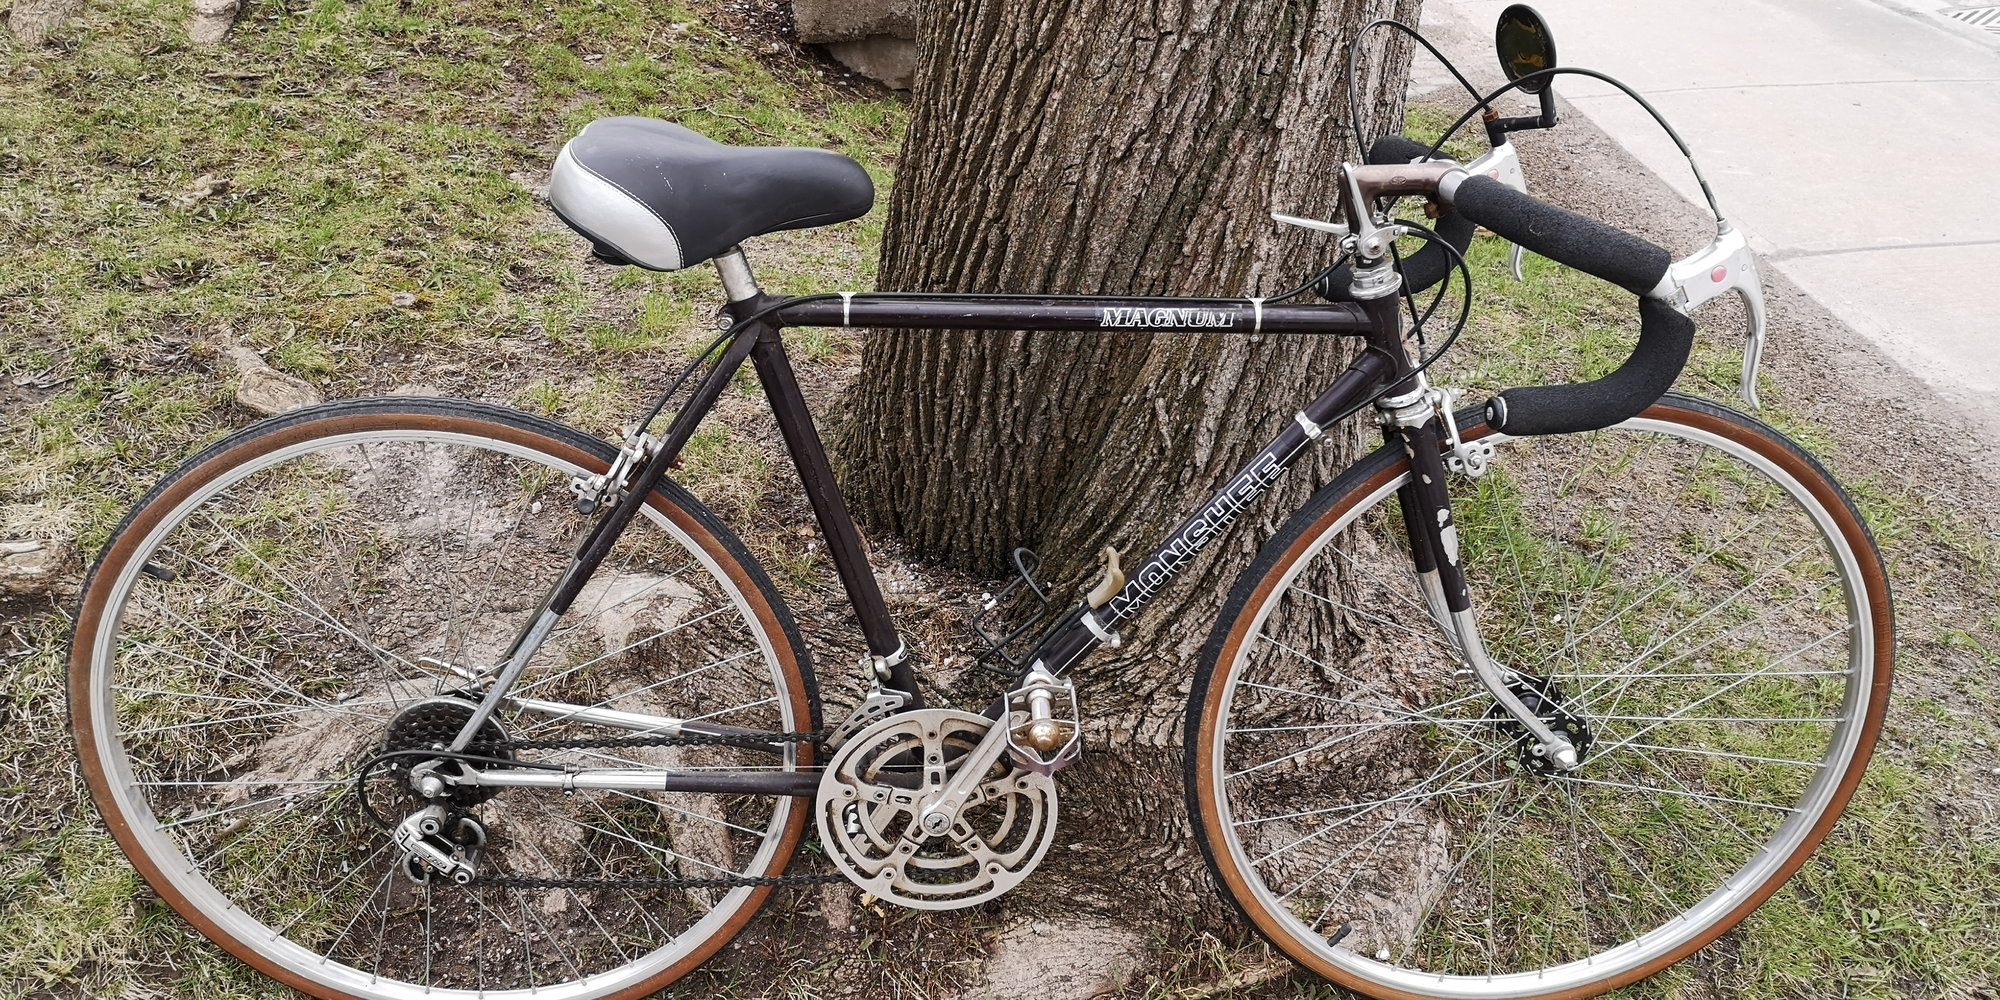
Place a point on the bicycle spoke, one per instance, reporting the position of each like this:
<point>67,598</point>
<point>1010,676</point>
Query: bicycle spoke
<point>338,602</point>
<point>1661,589</point>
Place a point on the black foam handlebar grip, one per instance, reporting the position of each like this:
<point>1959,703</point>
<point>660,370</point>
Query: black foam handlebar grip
<point>1563,236</point>
<point>1427,266</point>
<point>1665,337</point>
<point>1634,264</point>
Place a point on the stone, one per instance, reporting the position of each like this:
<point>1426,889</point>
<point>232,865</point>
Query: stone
<point>836,907</point>
<point>821,21</point>
<point>267,390</point>
<point>886,59</point>
<point>875,38</point>
<point>204,187</point>
<point>211,20</point>
<point>1070,958</point>
<point>31,567</point>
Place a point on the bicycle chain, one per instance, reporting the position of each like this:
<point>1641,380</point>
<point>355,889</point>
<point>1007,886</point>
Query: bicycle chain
<point>813,737</point>
<point>759,742</point>
<point>527,882</point>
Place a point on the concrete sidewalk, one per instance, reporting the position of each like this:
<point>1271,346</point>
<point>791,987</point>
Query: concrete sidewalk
<point>1854,142</point>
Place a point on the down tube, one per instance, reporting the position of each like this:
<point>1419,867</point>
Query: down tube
<point>1222,509</point>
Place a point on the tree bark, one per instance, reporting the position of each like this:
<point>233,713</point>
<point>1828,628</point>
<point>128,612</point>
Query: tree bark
<point>1107,146</point>
<point>33,20</point>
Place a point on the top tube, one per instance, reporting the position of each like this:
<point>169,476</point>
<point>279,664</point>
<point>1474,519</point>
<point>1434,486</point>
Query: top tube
<point>915,310</point>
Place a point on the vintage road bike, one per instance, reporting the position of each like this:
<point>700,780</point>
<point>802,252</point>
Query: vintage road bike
<point>417,697</point>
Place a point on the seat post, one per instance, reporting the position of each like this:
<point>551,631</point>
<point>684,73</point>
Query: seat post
<point>737,281</point>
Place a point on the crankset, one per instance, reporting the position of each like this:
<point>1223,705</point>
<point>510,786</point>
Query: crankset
<point>876,821</point>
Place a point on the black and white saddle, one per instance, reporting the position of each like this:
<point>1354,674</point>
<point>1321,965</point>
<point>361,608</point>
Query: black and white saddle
<point>665,197</point>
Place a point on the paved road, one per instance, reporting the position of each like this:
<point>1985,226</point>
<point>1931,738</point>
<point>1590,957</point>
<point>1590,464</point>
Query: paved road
<point>1854,141</point>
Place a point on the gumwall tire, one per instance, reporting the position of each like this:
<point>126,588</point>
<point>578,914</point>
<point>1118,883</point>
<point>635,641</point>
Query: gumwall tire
<point>1688,595</point>
<point>330,585</point>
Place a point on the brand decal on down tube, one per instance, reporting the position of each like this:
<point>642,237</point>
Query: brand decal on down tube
<point>1201,529</point>
<point>1166,319</point>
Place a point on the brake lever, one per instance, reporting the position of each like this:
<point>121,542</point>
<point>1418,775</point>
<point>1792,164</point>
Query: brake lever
<point>1503,164</point>
<point>1336,228</point>
<point>1725,266</point>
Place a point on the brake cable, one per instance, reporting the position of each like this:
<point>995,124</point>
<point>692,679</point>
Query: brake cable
<point>1555,71</point>
<point>1353,88</point>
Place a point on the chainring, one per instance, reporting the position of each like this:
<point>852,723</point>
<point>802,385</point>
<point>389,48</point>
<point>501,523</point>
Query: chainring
<point>871,797</point>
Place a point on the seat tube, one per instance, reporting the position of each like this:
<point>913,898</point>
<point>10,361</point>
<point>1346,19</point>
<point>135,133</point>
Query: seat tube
<point>843,542</point>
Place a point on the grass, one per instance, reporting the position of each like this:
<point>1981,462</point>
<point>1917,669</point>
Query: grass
<point>1886,908</point>
<point>346,187</point>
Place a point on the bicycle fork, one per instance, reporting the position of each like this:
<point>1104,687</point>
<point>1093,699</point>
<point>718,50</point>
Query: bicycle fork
<point>1413,420</point>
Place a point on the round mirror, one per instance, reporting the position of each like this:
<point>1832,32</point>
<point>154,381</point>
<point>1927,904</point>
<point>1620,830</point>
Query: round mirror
<point>1522,39</point>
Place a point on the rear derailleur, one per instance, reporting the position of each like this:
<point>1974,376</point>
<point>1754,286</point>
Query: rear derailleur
<point>438,840</point>
<point>439,837</point>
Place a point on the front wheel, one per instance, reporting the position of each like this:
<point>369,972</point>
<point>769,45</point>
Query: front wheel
<point>289,623</point>
<point>1687,593</point>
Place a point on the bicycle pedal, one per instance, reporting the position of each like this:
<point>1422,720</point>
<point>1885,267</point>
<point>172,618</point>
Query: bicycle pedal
<point>1044,724</point>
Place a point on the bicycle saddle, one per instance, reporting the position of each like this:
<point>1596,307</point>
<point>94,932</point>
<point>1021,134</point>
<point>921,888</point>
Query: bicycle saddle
<point>665,197</point>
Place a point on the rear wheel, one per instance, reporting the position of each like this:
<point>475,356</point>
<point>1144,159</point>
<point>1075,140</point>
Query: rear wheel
<point>330,585</point>
<point>1687,592</point>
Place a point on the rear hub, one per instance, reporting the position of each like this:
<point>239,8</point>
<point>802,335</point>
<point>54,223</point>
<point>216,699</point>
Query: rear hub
<point>432,724</point>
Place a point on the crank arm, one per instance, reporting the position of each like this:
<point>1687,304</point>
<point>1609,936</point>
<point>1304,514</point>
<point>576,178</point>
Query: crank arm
<point>939,811</point>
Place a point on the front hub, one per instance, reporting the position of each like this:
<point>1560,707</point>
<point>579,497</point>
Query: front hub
<point>1545,699</point>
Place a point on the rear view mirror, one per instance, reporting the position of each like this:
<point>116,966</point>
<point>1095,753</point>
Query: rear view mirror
<point>1523,42</point>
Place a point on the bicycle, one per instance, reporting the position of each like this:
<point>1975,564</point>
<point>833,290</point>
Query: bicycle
<point>333,711</point>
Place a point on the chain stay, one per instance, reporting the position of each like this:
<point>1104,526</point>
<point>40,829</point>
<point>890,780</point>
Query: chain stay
<point>684,739</point>
<point>740,881</point>
<point>814,737</point>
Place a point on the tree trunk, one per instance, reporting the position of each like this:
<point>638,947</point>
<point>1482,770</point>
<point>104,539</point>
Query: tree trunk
<point>1107,146</point>
<point>33,20</point>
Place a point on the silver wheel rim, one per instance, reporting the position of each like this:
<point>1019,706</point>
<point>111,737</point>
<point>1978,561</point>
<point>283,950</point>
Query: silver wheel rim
<point>253,933</point>
<point>1653,943</point>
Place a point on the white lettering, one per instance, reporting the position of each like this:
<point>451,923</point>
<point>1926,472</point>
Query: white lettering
<point>1127,317</point>
<point>1220,512</point>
